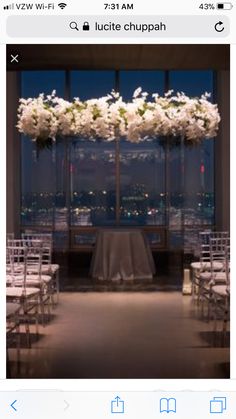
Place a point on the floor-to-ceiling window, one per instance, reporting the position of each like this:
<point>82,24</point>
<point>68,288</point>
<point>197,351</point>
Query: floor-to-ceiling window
<point>191,171</point>
<point>80,185</point>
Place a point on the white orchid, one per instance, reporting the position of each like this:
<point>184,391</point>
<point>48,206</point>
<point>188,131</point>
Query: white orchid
<point>108,117</point>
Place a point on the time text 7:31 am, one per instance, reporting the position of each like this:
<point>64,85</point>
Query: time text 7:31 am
<point>117,6</point>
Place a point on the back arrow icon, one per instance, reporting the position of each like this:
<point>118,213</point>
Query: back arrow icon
<point>219,27</point>
<point>12,405</point>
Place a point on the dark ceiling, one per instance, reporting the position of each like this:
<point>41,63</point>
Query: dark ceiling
<point>119,57</point>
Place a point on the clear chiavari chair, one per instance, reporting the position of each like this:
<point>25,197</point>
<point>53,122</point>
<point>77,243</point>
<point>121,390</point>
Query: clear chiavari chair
<point>13,328</point>
<point>217,273</point>
<point>202,268</point>
<point>34,277</point>
<point>17,292</point>
<point>220,296</point>
<point>18,260</point>
<point>48,268</point>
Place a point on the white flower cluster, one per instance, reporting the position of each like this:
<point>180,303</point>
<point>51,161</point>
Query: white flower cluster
<point>47,117</point>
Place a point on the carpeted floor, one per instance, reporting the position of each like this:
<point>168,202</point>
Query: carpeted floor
<point>123,335</point>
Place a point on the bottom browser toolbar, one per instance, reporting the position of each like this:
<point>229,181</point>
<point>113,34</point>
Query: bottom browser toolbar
<point>130,405</point>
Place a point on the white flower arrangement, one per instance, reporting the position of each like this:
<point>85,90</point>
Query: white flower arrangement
<point>45,118</point>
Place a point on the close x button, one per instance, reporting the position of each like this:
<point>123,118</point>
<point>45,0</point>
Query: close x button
<point>14,58</point>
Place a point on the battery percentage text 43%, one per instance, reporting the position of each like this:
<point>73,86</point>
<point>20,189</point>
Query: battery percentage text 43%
<point>207,6</point>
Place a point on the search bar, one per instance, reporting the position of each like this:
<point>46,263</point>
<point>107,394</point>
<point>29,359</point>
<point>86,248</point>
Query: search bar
<point>118,26</point>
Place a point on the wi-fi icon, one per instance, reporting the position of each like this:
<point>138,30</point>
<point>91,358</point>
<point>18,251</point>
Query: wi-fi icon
<point>62,5</point>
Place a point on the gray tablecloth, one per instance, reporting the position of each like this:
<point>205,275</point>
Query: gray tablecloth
<point>121,254</point>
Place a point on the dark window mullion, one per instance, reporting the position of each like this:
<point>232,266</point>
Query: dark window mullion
<point>167,167</point>
<point>117,159</point>
<point>215,100</point>
<point>67,163</point>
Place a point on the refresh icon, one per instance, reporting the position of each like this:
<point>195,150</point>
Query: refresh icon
<point>219,27</point>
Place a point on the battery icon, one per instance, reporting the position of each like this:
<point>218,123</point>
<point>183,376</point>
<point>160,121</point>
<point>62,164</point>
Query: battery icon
<point>224,6</point>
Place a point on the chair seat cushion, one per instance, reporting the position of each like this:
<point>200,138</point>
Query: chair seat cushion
<point>17,292</point>
<point>217,276</point>
<point>17,269</point>
<point>221,290</point>
<point>29,283</point>
<point>47,269</point>
<point>31,280</point>
<point>204,266</point>
<point>44,278</point>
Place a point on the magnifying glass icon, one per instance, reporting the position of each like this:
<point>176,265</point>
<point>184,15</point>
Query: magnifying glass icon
<point>73,25</point>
